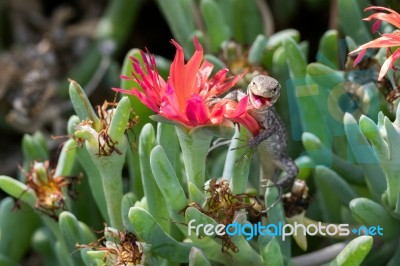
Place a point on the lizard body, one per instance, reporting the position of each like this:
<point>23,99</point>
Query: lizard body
<point>271,141</point>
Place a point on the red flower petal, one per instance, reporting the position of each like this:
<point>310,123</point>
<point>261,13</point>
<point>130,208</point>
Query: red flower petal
<point>196,111</point>
<point>376,25</point>
<point>141,96</point>
<point>239,108</point>
<point>184,96</point>
<point>183,77</point>
<point>217,113</point>
<point>388,63</point>
<point>359,57</point>
<point>392,17</point>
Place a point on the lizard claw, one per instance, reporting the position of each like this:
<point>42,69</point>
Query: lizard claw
<point>251,143</point>
<point>240,147</point>
<point>243,155</point>
<point>251,146</point>
<point>255,141</point>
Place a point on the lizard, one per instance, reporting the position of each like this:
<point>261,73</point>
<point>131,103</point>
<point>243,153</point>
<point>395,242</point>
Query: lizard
<point>271,141</point>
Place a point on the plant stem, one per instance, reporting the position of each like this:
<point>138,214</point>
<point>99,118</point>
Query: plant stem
<point>112,184</point>
<point>195,147</point>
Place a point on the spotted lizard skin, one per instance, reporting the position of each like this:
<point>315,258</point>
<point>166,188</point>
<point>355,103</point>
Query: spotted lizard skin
<point>271,141</point>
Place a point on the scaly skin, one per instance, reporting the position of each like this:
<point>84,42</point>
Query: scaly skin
<point>271,142</point>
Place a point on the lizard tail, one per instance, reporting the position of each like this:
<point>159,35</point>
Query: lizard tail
<point>291,170</point>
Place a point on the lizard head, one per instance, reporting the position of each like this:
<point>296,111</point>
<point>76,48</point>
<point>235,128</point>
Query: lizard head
<point>263,91</point>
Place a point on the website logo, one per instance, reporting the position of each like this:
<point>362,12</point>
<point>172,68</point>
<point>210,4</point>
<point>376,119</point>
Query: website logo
<point>249,231</point>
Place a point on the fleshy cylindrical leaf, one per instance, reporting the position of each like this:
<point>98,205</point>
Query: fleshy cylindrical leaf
<point>119,119</point>
<point>355,252</point>
<point>257,49</point>
<point>155,200</point>
<point>217,30</point>
<point>371,213</point>
<point>166,180</point>
<point>150,231</point>
<point>271,253</point>
<point>365,156</point>
<point>82,106</point>
<point>198,258</point>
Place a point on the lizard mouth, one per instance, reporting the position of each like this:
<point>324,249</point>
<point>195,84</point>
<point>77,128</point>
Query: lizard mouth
<point>259,101</point>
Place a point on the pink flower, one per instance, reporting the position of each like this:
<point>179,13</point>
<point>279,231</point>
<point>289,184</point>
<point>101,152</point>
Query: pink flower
<point>386,40</point>
<point>185,96</point>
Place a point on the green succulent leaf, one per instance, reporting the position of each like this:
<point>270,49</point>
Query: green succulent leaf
<point>43,244</point>
<point>217,30</point>
<point>148,230</point>
<point>82,106</point>
<point>198,258</point>
<point>67,159</point>
<point>274,43</point>
<point>328,51</point>
<point>33,149</point>
<point>276,215</point>
<point>155,200</point>
<point>305,165</point>
<point>6,261</point>
<point>336,184</point>
<point>14,229</point>
<point>119,120</point>
<point>70,230</point>
<point>365,156</point>
<point>370,213</point>
<point>395,257</point>
<point>218,64</point>
<point>237,164</point>
<point>351,20</point>
<point>271,253</point>
<point>354,253</point>
<point>328,197</point>
<point>257,49</point>
<point>95,180</point>
<point>18,190</point>
<point>373,134</point>
<point>128,201</point>
<point>306,94</point>
<point>195,144</point>
<point>166,180</point>
<point>62,254</point>
<point>247,23</point>
<point>91,257</point>
<point>167,138</point>
<point>178,21</point>
<point>322,155</point>
<point>295,58</point>
<point>196,194</point>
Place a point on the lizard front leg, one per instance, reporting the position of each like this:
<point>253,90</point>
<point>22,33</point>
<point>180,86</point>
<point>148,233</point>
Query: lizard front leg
<point>235,95</point>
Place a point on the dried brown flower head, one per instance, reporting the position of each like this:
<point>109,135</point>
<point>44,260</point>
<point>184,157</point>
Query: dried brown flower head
<point>223,206</point>
<point>296,201</point>
<point>128,251</point>
<point>48,188</point>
